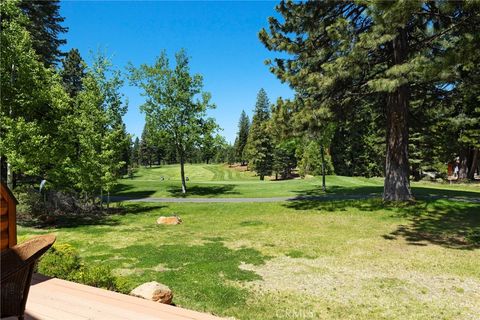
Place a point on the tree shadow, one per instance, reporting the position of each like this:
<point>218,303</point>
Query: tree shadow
<point>207,191</point>
<point>124,190</point>
<point>341,190</point>
<point>449,224</point>
<point>422,192</point>
<point>329,204</point>
<point>452,225</point>
<point>97,218</point>
<point>419,192</point>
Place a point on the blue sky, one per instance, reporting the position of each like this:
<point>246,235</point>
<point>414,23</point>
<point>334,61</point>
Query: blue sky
<point>220,38</point>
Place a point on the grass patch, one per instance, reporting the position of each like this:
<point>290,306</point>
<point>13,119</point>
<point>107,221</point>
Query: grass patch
<point>358,259</point>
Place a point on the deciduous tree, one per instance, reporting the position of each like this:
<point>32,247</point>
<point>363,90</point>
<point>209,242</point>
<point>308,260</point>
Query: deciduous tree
<point>176,104</point>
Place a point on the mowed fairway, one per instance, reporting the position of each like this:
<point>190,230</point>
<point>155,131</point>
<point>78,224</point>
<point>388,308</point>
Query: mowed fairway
<point>328,259</point>
<point>220,181</point>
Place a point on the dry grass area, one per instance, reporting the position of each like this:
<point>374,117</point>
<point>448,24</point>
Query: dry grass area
<point>389,290</point>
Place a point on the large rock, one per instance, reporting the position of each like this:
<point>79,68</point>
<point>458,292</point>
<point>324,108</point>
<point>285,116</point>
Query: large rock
<point>153,291</point>
<point>169,220</point>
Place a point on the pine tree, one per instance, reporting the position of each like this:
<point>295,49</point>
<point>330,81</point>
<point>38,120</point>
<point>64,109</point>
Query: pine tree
<point>45,28</point>
<point>284,138</point>
<point>73,72</point>
<point>136,152</point>
<point>259,146</point>
<point>146,147</point>
<point>344,52</point>
<point>242,137</point>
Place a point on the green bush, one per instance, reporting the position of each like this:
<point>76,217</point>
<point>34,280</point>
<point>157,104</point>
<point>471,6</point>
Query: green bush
<point>96,275</point>
<point>63,261</point>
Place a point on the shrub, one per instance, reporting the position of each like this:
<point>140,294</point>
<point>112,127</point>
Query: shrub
<point>95,275</point>
<point>63,261</point>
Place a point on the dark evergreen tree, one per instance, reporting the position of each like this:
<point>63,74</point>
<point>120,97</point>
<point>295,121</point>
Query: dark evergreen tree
<point>284,138</point>
<point>73,72</point>
<point>230,153</point>
<point>358,142</point>
<point>136,152</point>
<point>45,28</point>
<point>259,145</point>
<point>343,52</point>
<point>242,137</point>
<point>147,154</point>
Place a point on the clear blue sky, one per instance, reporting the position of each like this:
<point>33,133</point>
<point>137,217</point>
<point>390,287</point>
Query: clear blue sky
<point>221,39</point>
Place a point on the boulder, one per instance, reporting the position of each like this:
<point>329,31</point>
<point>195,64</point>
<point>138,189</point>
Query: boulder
<point>169,220</point>
<point>153,291</point>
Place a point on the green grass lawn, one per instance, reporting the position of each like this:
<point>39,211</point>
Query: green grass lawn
<point>296,260</point>
<point>337,259</point>
<point>222,181</point>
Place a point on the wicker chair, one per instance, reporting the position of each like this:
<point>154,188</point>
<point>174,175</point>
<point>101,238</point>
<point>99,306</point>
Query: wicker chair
<point>17,265</point>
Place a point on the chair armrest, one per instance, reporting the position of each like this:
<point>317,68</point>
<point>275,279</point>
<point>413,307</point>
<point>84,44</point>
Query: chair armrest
<point>24,254</point>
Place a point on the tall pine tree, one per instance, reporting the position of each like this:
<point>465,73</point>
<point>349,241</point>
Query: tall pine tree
<point>73,72</point>
<point>259,145</point>
<point>242,137</point>
<point>343,52</point>
<point>45,28</point>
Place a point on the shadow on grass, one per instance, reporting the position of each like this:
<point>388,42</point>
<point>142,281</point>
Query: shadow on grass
<point>125,190</point>
<point>209,191</point>
<point>199,274</point>
<point>344,191</point>
<point>420,192</point>
<point>100,218</point>
<point>436,221</point>
<point>452,225</point>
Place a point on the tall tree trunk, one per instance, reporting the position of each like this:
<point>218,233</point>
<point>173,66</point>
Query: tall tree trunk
<point>324,187</point>
<point>473,165</point>
<point>182,173</point>
<point>397,183</point>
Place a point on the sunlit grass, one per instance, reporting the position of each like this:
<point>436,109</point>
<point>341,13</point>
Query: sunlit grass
<point>222,181</point>
<point>357,259</point>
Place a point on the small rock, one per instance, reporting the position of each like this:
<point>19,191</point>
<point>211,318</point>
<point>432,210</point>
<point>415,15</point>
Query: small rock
<point>153,291</point>
<point>169,220</point>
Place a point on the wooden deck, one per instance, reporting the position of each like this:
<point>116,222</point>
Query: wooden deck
<point>56,299</point>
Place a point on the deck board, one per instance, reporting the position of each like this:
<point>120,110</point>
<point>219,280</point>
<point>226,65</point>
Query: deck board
<point>55,299</point>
